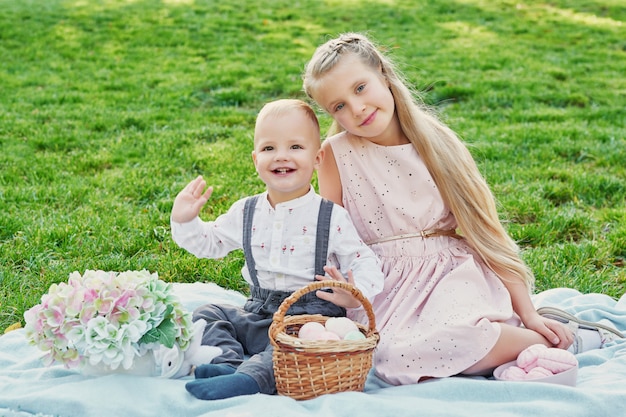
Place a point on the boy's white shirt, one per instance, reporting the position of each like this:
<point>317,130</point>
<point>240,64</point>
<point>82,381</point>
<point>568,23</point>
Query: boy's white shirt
<point>283,243</point>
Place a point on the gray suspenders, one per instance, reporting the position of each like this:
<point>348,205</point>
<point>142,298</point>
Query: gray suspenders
<point>265,301</point>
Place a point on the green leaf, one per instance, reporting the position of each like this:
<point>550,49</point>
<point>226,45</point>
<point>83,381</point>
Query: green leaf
<point>164,334</point>
<point>167,335</point>
<point>151,336</point>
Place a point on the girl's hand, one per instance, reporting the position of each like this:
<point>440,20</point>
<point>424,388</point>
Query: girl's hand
<point>339,296</point>
<point>189,201</point>
<point>555,332</point>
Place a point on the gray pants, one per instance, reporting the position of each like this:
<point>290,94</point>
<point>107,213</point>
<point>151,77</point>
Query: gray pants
<point>239,333</point>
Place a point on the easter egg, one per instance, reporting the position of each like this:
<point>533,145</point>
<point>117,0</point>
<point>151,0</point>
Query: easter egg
<point>326,335</point>
<point>354,335</point>
<point>311,330</point>
<point>340,326</point>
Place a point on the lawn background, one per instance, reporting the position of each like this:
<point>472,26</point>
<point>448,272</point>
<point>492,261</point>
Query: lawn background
<point>107,108</point>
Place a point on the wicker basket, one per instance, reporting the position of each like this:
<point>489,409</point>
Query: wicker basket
<point>305,369</point>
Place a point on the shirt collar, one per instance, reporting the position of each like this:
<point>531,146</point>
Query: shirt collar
<point>305,200</point>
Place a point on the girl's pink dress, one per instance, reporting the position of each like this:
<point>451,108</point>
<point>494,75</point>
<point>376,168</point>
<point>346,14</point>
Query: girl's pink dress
<point>436,312</point>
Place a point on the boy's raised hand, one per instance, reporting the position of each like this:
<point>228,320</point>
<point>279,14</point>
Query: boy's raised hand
<point>189,201</point>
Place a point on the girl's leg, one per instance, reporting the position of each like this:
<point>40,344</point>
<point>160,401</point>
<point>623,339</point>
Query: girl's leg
<point>511,342</point>
<point>587,335</point>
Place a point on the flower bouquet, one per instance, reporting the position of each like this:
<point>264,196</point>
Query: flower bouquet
<point>108,321</point>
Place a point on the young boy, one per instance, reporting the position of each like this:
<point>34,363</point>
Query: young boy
<point>290,236</point>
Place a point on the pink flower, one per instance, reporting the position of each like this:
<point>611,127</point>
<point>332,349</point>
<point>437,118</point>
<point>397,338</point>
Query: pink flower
<point>55,316</point>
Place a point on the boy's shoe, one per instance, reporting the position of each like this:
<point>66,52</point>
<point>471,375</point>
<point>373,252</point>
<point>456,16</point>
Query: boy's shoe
<point>607,333</point>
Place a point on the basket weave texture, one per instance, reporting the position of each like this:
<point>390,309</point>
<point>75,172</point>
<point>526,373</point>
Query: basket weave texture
<point>305,369</point>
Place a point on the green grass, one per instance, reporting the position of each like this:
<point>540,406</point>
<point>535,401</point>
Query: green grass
<point>109,107</point>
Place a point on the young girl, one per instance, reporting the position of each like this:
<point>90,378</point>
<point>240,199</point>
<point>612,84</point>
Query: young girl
<point>452,303</point>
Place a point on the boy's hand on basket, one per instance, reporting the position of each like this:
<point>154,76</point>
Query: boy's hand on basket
<point>339,296</point>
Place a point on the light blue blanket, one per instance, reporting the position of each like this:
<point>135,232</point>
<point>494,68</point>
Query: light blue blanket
<point>27,388</point>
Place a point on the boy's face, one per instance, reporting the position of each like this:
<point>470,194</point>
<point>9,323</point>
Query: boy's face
<point>286,152</point>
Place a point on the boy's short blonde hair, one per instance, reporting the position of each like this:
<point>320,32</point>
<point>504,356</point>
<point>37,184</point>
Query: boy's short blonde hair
<point>284,106</point>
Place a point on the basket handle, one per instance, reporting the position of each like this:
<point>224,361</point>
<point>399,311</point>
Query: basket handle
<point>279,315</point>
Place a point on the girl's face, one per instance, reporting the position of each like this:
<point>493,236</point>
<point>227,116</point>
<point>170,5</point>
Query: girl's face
<point>286,152</point>
<point>357,96</point>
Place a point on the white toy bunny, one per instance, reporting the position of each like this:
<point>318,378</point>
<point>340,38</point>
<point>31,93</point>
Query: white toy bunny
<point>176,364</point>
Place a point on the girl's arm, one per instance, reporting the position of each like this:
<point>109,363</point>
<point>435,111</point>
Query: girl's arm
<point>328,175</point>
<point>555,332</point>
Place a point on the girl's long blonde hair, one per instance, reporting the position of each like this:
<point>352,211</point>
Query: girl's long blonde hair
<point>462,186</point>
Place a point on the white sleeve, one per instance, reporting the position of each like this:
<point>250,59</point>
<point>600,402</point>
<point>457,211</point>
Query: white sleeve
<point>212,239</point>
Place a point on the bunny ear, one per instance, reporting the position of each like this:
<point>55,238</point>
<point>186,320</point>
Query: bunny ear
<point>199,325</point>
<point>205,354</point>
<point>198,331</point>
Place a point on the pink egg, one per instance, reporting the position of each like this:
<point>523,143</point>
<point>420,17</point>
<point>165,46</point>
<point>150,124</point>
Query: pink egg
<point>326,335</point>
<point>311,330</point>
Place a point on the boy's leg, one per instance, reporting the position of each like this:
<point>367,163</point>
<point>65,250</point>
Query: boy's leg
<point>234,329</point>
<point>210,370</point>
<point>260,367</point>
<point>224,386</point>
<point>237,332</point>
<point>220,331</point>
<point>255,375</point>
